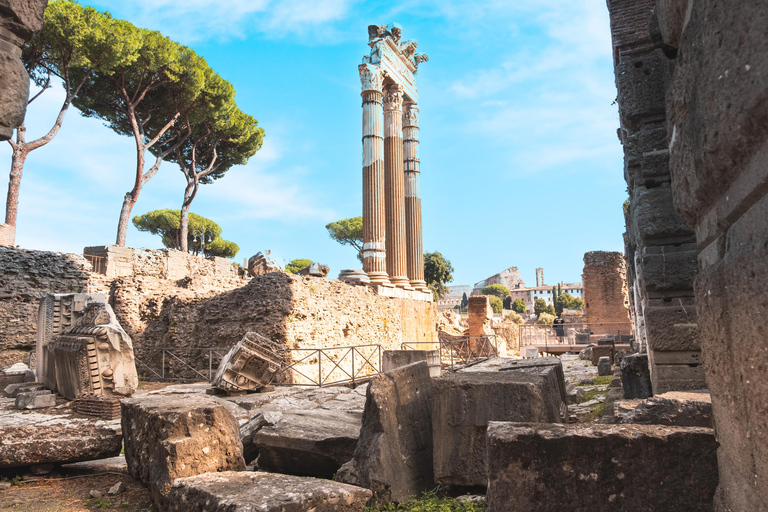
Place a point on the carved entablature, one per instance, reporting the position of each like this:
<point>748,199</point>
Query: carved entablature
<point>398,61</point>
<point>393,97</point>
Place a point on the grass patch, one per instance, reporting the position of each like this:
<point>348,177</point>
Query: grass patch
<point>591,395</point>
<point>603,381</point>
<point>429,502</point>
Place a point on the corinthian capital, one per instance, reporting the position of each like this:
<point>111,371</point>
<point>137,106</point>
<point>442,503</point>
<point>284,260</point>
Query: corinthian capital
<point>371,77</point>
<point>393,97</point>
<point>410,116</point>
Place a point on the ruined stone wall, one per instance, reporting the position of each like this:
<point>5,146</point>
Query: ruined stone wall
<point>661,247</point>
<point>717,106</point>
<point>297,311</point>
<point>26,277</point>
<point>605,292</point>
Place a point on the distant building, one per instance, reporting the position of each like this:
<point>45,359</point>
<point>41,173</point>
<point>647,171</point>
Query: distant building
<point>529,295</point>
<point>454,295</point>
<point>510,278</point>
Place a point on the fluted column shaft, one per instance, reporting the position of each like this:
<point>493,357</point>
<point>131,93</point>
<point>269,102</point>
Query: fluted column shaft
<point>374,213</point>
<point>394,187</point>
<point>413,232</point>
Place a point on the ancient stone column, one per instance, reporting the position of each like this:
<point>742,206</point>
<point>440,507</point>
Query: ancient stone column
<point>374,223</point>
<point>413,238</point>
<point>394,186</point>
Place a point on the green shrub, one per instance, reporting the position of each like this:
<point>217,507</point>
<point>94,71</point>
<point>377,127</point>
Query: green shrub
<point>429,502</point>
<point>496,305</point>
<point>545,319</point>
<point>514,317</point>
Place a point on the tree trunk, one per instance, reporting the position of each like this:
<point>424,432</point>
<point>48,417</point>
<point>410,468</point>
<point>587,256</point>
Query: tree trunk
<point>125,215</point>
<point>189,194</point>
<point>20,153</point>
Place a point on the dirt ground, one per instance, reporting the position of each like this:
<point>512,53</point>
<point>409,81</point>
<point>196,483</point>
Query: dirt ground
<point>69,491</point>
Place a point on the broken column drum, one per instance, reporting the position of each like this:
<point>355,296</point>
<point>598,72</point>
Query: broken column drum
<point>391,208</point>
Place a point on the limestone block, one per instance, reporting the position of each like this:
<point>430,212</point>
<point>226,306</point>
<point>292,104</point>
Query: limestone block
<point>668,267</point>
<point>315,269</point>
<point>251,364</point>
<point>676,377</point>
<point>636,376</point>
<point>676,408</point>
<point>309,443</point>
<point>393,359</point>
<point>654,219</point>
<point>600,351</point>
<point>672,18</point>
<point>35,399</point>
<point>393,457</point>
<point>464,403</point>
<point>640,80</point>
<point>13,390</point>
<point>262,263</point>
<point>95,356</point>
<point>598,468</point>
<point>168,437</point>
<point>672,327</point>
<point>604,366</point>
<point>548,367</point>
<point>61,444</point>
<point>263,492</point>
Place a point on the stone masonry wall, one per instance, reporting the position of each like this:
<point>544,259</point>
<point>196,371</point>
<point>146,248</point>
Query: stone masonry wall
<point>605,292</point>
<point>26,277</point>
<point>660,245</point>
<point>717,126</point>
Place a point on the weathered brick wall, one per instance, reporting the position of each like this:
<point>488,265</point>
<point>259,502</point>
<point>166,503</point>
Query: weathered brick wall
<point>26,277</point>
<point>717,104</point>
<point>660,245</point>
<point>605,292</point>
<point>7,234</point>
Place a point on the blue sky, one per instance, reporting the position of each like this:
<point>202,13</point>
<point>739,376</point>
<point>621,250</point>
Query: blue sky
<point>520,161</point>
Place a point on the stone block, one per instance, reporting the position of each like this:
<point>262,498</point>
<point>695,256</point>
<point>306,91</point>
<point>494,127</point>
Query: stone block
<point>168,437</point>
<point>13,390</point>
<point>464,403</point>
<point>315,269</point>
<point>263,492</point>
<point>308,443</point>
<point>640,80</point>
<point>601,351</point>
<point>393,359</point>
<point>541,468</point>
<point>672,16</point>
<point>60,444</point>
<point>251,364</point>
<point>654,219</point>
<point>604,366</point>
<point>262,263</point>
<point>676,377</point>
<point>678,409</point>
<point>393,457</point>
<point>668,267</point>
<point>35,399</point>
<point>672,327</point>
<point>549,367</point>
<point>636,376</point>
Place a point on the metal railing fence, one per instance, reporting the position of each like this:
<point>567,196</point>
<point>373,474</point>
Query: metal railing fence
<point>462,352</point>
<point>575,334</point>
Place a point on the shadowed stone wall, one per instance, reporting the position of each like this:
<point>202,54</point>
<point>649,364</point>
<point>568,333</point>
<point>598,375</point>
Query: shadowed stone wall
<point>717,126</point>
<point>660,245</point>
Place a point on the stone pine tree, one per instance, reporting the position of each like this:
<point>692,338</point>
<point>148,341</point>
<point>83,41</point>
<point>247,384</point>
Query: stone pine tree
<point>221,136</point>
<point>348,232</point>
<point>75,42</point>
<point>145,99</point>
<point>203,238</point>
